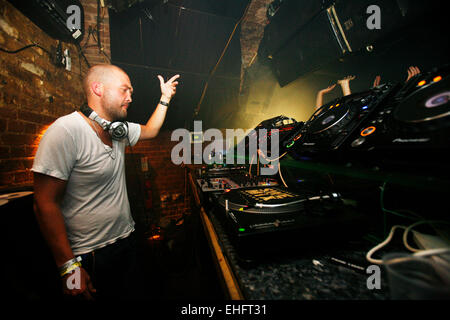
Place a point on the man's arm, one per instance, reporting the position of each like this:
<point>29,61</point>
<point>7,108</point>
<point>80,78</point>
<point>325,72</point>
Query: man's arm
<point>48,193</point>
<point>151,128</point>
<point>319,97</point>
<point>345,85</point>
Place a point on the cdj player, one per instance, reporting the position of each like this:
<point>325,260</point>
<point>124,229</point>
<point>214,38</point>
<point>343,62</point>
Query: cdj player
<point>412,128</point>
<point>272,220</point>
<point>332,124</point>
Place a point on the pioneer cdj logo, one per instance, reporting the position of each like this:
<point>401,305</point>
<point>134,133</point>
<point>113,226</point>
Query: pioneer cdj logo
<point>418,140</point>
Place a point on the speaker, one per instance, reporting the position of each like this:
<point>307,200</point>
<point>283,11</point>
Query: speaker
<point>54,17</point>
<point>117,129</point>
<point>310,49</point>
<point>286,18</point>
<point>343,28</point>
<point>360,24</point>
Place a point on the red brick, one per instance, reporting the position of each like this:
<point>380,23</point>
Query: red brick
<point>8,113</point>
<point>4,152</point>
<point>11,165</point>
<point>16,126</point>
<point>6,178</point>
<point>35,117</point>
<point>23,176</point>
<point>30,151</point>
<point>18,151</point>
<point>25,110</point>
<point>18,139</point>
<point>3,125</point>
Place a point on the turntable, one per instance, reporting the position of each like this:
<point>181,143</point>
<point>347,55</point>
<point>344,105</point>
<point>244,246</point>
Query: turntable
<point>331,125</point>
<point>270,219</point>
<point>412,127</point>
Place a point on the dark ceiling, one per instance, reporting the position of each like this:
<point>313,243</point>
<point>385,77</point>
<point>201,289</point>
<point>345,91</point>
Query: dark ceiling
<point>179,37</point>
<point>187,38</point>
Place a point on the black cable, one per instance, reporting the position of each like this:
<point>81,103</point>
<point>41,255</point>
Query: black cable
<point>98,26</point>
<point>26,47</point>
<point>80,51</point>
<point>100,48</point>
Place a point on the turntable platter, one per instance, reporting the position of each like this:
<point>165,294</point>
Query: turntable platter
<point>266,200</point>
<point>326,120</point>
<point>427,104</point>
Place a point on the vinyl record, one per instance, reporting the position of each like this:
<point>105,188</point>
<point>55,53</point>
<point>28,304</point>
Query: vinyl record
<point>266,200</point>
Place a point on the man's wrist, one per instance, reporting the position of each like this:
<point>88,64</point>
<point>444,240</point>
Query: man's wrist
<point>165,98</point>
<point>165,101</point>
<point>69,266</point>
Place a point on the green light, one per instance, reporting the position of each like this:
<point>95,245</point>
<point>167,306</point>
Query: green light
<point>241,229</point>
<point>290,144</point>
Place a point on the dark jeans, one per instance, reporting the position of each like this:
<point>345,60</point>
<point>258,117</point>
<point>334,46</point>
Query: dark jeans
<point>114,269</point>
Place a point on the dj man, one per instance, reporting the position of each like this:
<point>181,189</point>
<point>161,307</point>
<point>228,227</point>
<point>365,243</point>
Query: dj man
<point>80,194</point>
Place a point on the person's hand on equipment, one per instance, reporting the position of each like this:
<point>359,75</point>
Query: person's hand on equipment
<point>412,72</point>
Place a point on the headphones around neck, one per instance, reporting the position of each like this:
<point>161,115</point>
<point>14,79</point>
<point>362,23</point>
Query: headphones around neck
<point>117,129</point>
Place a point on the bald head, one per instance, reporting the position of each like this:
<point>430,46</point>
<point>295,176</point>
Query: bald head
<point>102,73</point>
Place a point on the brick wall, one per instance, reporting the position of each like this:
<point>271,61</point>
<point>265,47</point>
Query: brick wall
<point>161,184</point>
<point>89,44</point>
<point>34,92</point>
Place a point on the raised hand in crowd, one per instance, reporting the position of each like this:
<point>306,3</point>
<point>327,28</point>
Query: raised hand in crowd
<point>412,72</point>
<point>376,82</point>
<point>345,84</point>
<point>319,98</point>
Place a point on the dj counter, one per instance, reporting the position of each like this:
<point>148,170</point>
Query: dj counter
<point>307,238</point>
<point>300,265</point>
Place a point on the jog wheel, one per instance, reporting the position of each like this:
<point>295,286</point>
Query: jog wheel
<point>427,108</point>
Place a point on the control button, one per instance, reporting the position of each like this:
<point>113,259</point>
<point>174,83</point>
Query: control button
<point>368,131</point>
<point>357,142</point>
<point>290,144</point>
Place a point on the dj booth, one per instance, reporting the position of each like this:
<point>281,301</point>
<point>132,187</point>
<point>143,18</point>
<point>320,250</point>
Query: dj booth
<point>361,164</point>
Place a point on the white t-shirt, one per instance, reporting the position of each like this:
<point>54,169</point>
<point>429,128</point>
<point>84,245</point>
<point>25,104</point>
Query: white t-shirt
<point>95,205</point>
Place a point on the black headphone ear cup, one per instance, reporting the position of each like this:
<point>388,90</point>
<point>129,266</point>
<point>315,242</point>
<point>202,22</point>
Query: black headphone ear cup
<point>86,110</point>
<point>118,130</point>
